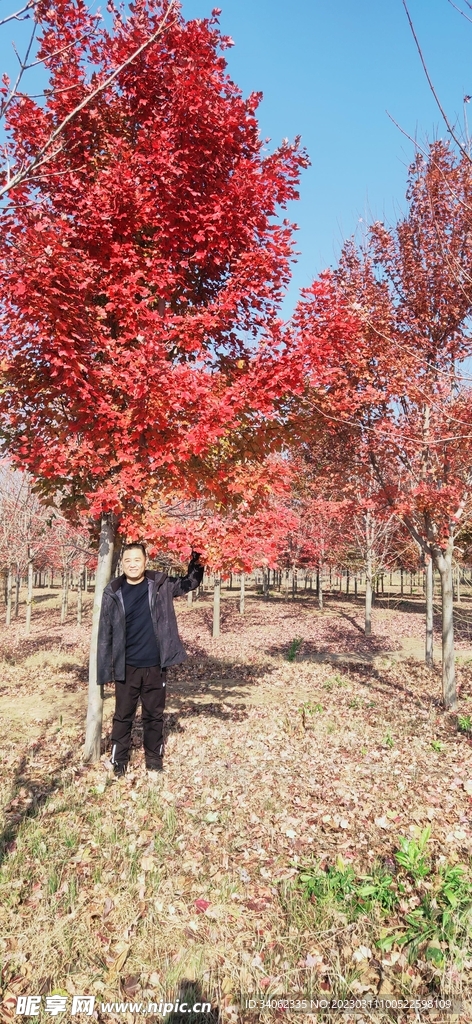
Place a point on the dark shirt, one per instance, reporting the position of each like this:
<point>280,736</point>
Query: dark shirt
<point>141,644</point>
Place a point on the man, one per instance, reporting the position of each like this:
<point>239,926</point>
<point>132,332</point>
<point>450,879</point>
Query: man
<point>137,641</point>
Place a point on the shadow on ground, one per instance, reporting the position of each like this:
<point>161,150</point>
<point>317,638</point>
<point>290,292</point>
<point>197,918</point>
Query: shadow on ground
<point>28,793</point>
<point>191,994</point>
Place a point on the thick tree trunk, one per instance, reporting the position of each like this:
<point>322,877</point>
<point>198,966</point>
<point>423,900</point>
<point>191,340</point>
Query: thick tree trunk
<point>93,732</point>
<point>429,579</point>
<point>241,595</point>
<point>216,606</point>
<point>444,564</point>
<point>29,593</point>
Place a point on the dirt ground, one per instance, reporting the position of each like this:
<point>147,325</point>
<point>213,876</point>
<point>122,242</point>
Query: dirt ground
<point>334,637</point>
<point>273,767</point>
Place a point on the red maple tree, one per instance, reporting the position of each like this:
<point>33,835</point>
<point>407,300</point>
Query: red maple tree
<point>391,384</point>
<point>141,267</point>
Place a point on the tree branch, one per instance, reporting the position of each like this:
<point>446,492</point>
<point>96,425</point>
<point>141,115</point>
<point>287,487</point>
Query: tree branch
<point>431,86</point>
<point>456,8</point>
<point>44,153</point>
<point>17,16</point>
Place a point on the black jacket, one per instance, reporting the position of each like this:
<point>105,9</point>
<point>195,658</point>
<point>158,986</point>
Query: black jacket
<point>111,627</point>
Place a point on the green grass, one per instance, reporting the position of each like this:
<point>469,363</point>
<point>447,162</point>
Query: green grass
<point>294,648</point>
<point>438,929</point>
<point>411,855</point>
<point>442,923</point>
<point>437,746</point>
<point>358,894</point>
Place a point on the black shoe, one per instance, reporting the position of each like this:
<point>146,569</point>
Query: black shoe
<point>155,766</point>
<point>119,769</point>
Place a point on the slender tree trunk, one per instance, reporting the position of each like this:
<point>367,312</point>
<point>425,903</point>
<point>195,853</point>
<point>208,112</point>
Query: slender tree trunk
<point>117,545</point>
<point>65,596</point>
<point>458,584</point>
<point>80,581</point>
<point>8,596</point>
<point>429,657</point>
<point>355,586</point>
<point>190,597</point>
<point>368,575</point>
<point>29,592</point>
<point>241,595</point>
<point>320,587</point>
<point>444,564</point>
<point>401,582</point>
<point>347,582</point>
<point>265,583</point>
<point>216,605</point>
<point>368,604</point>
<point>17,593</point>
<point>93,733</point>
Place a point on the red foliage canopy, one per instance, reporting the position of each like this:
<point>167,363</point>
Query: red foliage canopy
<point>137,260</point>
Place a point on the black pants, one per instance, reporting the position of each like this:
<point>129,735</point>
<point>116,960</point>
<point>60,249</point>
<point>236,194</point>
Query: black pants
<point>150,685</point>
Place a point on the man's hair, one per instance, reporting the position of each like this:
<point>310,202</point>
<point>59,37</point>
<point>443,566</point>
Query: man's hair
<point>133,544</point>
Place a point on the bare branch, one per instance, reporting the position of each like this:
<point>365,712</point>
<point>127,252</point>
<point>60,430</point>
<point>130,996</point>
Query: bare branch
<point>456,8</point>
<point>6,103</point>
<point>17,16</point>
<point>431,86</point>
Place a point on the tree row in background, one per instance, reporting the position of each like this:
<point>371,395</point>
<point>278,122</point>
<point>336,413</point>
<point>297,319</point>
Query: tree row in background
<point>149,385</point>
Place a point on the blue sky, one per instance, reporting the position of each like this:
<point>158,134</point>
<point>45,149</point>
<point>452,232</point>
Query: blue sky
<point>329,71</point>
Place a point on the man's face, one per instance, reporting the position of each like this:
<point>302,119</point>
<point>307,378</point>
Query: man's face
<point>134,564</point>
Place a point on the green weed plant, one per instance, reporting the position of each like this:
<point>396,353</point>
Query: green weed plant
<point>438,928</point>
<point>294,648</point>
